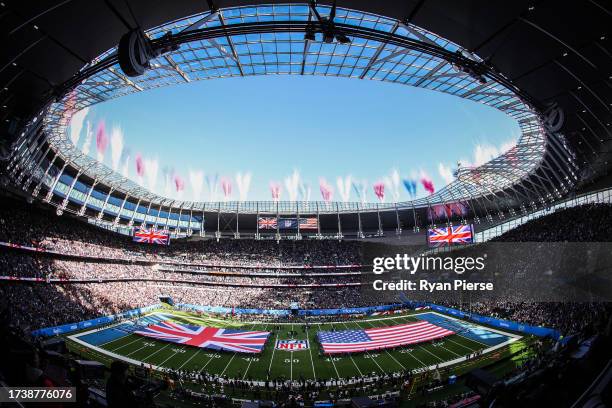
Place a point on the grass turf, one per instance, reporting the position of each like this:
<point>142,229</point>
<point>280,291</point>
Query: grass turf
<point>296,365</point>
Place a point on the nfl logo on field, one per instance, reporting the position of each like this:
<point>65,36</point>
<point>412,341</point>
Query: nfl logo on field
<point>292,345</point>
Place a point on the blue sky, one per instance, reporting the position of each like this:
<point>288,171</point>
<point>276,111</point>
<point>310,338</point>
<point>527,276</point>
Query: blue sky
<point>276,126</point>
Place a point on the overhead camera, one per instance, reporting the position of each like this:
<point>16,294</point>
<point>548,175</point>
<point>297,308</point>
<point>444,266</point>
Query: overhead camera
<point>135,51</point>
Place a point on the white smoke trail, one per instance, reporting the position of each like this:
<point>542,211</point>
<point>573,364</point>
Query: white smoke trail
<point>76,125</point>
<point>196,179</point>
<point>125,162</point>
<point>88,138</point>
<point>344,187</point>
<point>446,173</point>
<point>212,182</point>
<point>292,184</point>
<point>116,142</point>
<point>360,187</point>
<point>167,175</point>
<point>392,182</point>
<point>243,181</point>
<point>305,191</point>
<point>152,167</point>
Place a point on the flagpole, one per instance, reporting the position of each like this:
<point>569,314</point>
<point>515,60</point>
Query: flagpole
<point>398,230</point>
<point>297,209</point>
<point>203,223</point>
<point>144,219</point>
<point>218,233</point>
<point>178,222</point>
<point>237,234</point>
<point>380,230</point>
<point>318,222</point>
<point>257,223</point>
<point>277,224</point>
<point>131,222</point>
<point>189,231</point>
<point>118,217</point>
<point>339,224</point>
<point>359,225</point>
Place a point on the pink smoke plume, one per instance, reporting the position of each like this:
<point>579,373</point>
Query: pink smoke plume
<point>140,166</point>
<point>326,190</point>
<point>428,185</point>
<point>179,183</point>
<point>379,190</point>
<point>226,185</point>
<point>275,189</point>
<point>101,138</point>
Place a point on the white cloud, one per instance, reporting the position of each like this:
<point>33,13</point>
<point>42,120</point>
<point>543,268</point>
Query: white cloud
<point>446,173</point>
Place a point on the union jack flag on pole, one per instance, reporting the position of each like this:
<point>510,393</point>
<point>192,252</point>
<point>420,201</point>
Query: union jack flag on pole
<point>459,234</point>
<point>207,337</point>
<point>151,236</point>
<point>267,223</point>
<point>355,341</point>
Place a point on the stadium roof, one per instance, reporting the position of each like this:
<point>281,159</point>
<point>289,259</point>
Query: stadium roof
<point>533,54</point>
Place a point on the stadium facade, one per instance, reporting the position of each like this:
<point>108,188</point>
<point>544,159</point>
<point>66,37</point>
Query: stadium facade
<point>561,148</point>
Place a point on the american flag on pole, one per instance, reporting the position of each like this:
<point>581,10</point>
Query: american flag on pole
<point>309,223</point>
<point>459,234</point>
<point>151,236</point>
<point>266,223</point>
<point>240,341</point>
<point>354,341</point>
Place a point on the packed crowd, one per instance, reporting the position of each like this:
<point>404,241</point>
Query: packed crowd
<point>567,317</point>
<point>585,223</point>
<point>25,225</point>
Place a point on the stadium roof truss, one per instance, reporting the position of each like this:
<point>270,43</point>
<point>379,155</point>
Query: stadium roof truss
<point>270,39</point>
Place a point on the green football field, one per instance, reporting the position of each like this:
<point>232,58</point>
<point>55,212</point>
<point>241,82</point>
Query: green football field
<point>287,365</point>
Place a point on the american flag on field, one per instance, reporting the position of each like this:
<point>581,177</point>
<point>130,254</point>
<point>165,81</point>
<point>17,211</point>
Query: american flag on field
<point>151,236</point>
<point>266,222</point>
<point>309,223</point>
<point>354,341</point>
<point>240,341</point>
<point>459,234</point>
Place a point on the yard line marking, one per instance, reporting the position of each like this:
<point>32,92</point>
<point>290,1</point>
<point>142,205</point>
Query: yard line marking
<point>376,362</point>
<point>272,359</point>
<point>171,355</point>
<point>154,353</point>
<point>354,363</point>
<point>462,345</point>
<point>389,354</point>
<point>457,354</point>
<point>227,365</point>
<point>229,362</point>
<point>132,352</point>
<point>251,359</point>
<point>131,342</point>
<point>422,347</point>
<point>331,358</point>
<point>189,359</point>
<point>353,360</point>
<point>314,375</point>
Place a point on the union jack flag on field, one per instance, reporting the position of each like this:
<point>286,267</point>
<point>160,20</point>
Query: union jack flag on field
<point>355,341</point>
<point>459,234</point>
<point>267,223</point>
<point>151,236</point>
<point>207,337</point>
